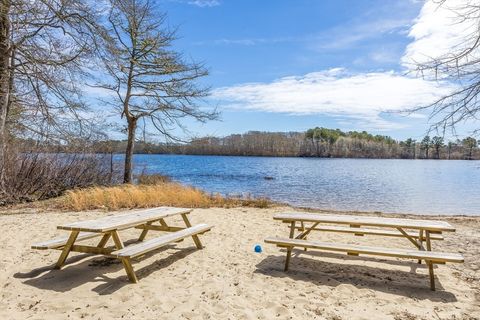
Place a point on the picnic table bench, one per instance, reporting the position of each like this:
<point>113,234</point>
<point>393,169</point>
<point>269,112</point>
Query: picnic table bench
<point>417,232</point>
<point>109,227</point>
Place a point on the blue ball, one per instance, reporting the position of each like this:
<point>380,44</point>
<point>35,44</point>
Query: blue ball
<point>258,248</point>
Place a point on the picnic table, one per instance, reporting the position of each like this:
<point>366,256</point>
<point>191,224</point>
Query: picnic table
<point>419,233</point>
<point>108,228</point>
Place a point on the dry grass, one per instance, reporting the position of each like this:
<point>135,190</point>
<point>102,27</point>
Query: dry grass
<point>153,179</point>
<point>145,196</point>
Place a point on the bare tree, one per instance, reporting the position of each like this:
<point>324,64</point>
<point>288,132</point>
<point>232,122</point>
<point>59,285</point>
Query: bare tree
<point>461,65</point>
<point>150,82</point>
<point>43,46</point>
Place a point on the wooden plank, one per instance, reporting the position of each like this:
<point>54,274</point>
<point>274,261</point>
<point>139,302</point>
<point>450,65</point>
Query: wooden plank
<point>60,242</point>
<point>117,240</point>
<point>91,249</point>
<point>127,264</point>
<point>145,231</point>
<point>305,233</point>
<point>152,244</point>
<point>380,251</point>
<point>124,221</point>
<point>195,237</point>
<point>289,250</point>
<point>66,249</point>
<point>159,228</point>
<point>411,239</point>
<point>429,263</point>
<point>432,225</point>
<point>378,232</point>
<point>104,240</point>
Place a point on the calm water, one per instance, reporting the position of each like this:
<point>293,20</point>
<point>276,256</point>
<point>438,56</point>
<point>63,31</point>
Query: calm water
<point>409,186</point>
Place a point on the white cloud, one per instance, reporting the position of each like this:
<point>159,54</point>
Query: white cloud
<point>336,92</point>
<point>347,36</point>
<point>205,3</point>
<point>439,30</point>
<point>362,98</point>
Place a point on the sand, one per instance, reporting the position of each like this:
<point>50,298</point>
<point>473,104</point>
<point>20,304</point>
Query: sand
<point>228,280</point>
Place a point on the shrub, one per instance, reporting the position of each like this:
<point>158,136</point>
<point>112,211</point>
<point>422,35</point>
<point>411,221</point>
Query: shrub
<point>38,176</point>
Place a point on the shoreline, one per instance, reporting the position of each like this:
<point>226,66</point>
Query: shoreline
<point>40,205</point>
<point>280,156</point>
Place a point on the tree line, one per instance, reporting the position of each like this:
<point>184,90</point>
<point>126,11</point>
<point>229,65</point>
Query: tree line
<point>315,142</point>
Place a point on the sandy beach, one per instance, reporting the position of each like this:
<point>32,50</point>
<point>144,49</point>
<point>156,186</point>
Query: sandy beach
<point>228,280</point>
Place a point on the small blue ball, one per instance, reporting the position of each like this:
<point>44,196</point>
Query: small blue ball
<point>258,248</point>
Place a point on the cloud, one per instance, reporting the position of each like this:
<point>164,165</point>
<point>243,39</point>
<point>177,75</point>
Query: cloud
<point>439,30</point>
<point>336,92</point>
<point>204,3</point>
<point>345,37</point>
<point>362,99</point>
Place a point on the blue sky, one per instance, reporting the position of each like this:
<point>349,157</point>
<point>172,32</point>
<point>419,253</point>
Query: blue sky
<point>289,65</point>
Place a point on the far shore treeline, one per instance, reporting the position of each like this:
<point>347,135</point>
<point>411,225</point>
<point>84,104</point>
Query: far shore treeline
<point>317,142</point>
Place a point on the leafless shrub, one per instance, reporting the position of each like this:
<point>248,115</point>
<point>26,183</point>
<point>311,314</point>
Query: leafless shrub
<point>37,176</point>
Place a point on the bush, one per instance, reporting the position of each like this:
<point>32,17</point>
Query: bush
<point>38,176</point>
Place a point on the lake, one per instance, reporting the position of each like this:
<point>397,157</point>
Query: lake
<point>403,186</point>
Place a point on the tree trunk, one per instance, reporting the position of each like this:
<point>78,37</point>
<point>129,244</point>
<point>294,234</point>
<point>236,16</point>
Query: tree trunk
<point>132,126</point>
<point>4,80</point>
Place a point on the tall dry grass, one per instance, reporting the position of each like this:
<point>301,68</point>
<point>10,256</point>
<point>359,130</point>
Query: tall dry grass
<point>145,196</point>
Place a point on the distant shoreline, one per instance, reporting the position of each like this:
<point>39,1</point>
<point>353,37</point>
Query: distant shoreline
<point>279,156</point>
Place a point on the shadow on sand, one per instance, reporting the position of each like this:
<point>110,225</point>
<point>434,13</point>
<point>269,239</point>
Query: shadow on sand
<point>304,268</point>
<point>78,271</point>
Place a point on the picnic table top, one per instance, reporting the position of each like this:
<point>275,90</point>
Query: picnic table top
<point>123,221</point>
<point>431,225</point>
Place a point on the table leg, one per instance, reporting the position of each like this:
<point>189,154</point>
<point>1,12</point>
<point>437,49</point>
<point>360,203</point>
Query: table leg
<point>127,264</point>
<point>429,263</point>
<point>289,249</point>
<point>420,241</point>
<point>303,230</point>
<point>129,269</point>
<point>406,235</point>
<point>195,237</point>
<point>104,240</point>
<point>163,223</point>
<point>144,232</point>
<point>66,249</point>
<point>117,240</point>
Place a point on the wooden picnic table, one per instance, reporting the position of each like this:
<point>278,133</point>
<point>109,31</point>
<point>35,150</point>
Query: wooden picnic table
<point>109,227</point>
<point>416,231</point>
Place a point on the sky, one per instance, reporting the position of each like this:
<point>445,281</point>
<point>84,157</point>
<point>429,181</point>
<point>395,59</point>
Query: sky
<point>290,65</point>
